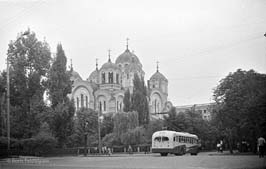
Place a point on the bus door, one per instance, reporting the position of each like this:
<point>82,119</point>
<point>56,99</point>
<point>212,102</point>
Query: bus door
<point>165,142</point>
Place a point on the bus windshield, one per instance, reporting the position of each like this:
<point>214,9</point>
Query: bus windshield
<point>165,139</point>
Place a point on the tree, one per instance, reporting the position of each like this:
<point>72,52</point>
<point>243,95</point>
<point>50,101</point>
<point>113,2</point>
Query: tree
<point>59,83</point>
<point>139,100</point>
<point>127,101</point>
<point>191,121</point>
<point>86,124</point>
<point>2,102</point>
<point>241,100</point>
<point>59,86</point>
<point>29,62</point>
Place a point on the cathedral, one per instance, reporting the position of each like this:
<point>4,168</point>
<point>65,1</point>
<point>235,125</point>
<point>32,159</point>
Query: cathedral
<point>104,89</point>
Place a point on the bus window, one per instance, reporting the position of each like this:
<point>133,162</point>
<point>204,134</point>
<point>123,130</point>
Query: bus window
<point>157,139</point>
<point>165,139</point>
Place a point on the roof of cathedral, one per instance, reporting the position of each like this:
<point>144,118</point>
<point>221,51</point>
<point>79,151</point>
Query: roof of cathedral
<point>128,57</point>
<point>75,75</point>
<point>109,65</point>
<point>133,67</point>
<point>158,76</point>
<point>93,75</point>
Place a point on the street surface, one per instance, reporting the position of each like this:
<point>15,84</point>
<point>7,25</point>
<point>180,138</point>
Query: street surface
<point>140,161</point>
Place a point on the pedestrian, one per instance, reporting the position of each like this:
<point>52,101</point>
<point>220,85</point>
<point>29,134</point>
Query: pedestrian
<point>109,151</point>
<point>218,147</point>
<point>130,151</point>
<point>221,146</point>
<point>261,144</point>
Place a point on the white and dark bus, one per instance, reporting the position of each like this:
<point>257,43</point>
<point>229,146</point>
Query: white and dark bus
<point>173,142</point>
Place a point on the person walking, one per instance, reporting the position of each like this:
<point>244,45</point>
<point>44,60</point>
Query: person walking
<point>261,144</point>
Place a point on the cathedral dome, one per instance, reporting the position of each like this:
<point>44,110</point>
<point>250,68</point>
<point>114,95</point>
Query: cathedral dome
<point>134,67</point>
<point>127,57</point>
<point>93,76</point>
<point>75,76</point>
<point>110,65</point>
<point>158,76</point>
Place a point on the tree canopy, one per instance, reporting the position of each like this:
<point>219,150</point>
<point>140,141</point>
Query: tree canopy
<point>241,100</point>
<point>29,62</point>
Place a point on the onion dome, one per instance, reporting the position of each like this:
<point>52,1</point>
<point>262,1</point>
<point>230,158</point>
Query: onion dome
<point>93,76</point>
<point>75,76</point>
<point>158,76</point>
<point>127,57</point>
<point>133,67</point>
<point>109,65</point>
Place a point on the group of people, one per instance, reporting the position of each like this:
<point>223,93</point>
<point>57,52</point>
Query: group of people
<point>106,150</point>
<point>261,146</point>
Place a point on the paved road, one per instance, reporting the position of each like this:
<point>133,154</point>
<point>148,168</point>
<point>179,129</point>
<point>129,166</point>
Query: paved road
<point>139,161</point>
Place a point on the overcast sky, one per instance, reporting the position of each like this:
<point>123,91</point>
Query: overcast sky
<point>197,42</point>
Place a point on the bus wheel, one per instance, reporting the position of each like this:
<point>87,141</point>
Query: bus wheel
<point>164,154</point>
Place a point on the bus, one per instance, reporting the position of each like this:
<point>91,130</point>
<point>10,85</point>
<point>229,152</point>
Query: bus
<point>171,142</point>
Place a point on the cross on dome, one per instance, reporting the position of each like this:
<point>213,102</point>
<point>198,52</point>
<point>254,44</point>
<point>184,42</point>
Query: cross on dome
<point>109,55</point>
<point>127,42</point>
<point>96,63</point>
<point>157,66</point>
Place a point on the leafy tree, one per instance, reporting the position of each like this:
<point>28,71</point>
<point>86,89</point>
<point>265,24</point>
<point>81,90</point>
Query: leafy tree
<point>107,125</point>
<point>2,102</point>
<point>29,62</point>
<point>59,83</point>
<point>241,100</point>
<point>59,86</point>
<point>86,124</point>
<point>139,100</point>
<point>62,123</point>
<point>127,101</point>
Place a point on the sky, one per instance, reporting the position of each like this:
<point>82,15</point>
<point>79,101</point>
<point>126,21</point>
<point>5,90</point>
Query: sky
<point>196,42</point>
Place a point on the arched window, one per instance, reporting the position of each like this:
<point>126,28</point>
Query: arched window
<point>155,103</point>
<point>158,107</point>
<point>100,106</point>
<point>87,102</point>
<point>82,100</point>
<point>103,77</point>
<point>77,103</point>
<point>117,78</point>
<point>110,77</point>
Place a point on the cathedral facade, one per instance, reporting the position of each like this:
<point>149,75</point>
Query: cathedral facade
<point>104,89</point>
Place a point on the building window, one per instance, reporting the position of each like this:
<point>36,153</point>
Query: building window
<point>104,106</point>
<point>86,101</point>
<point>100,106</point>
<point>103,77</point>
<point>82,100</point>
<point>117,78</point>
<point>77,103</point>
<point>127,76</point>
<point>110,77</point>
<point>153,86</point>
<point>204,111</point>
<point>155,104</point>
